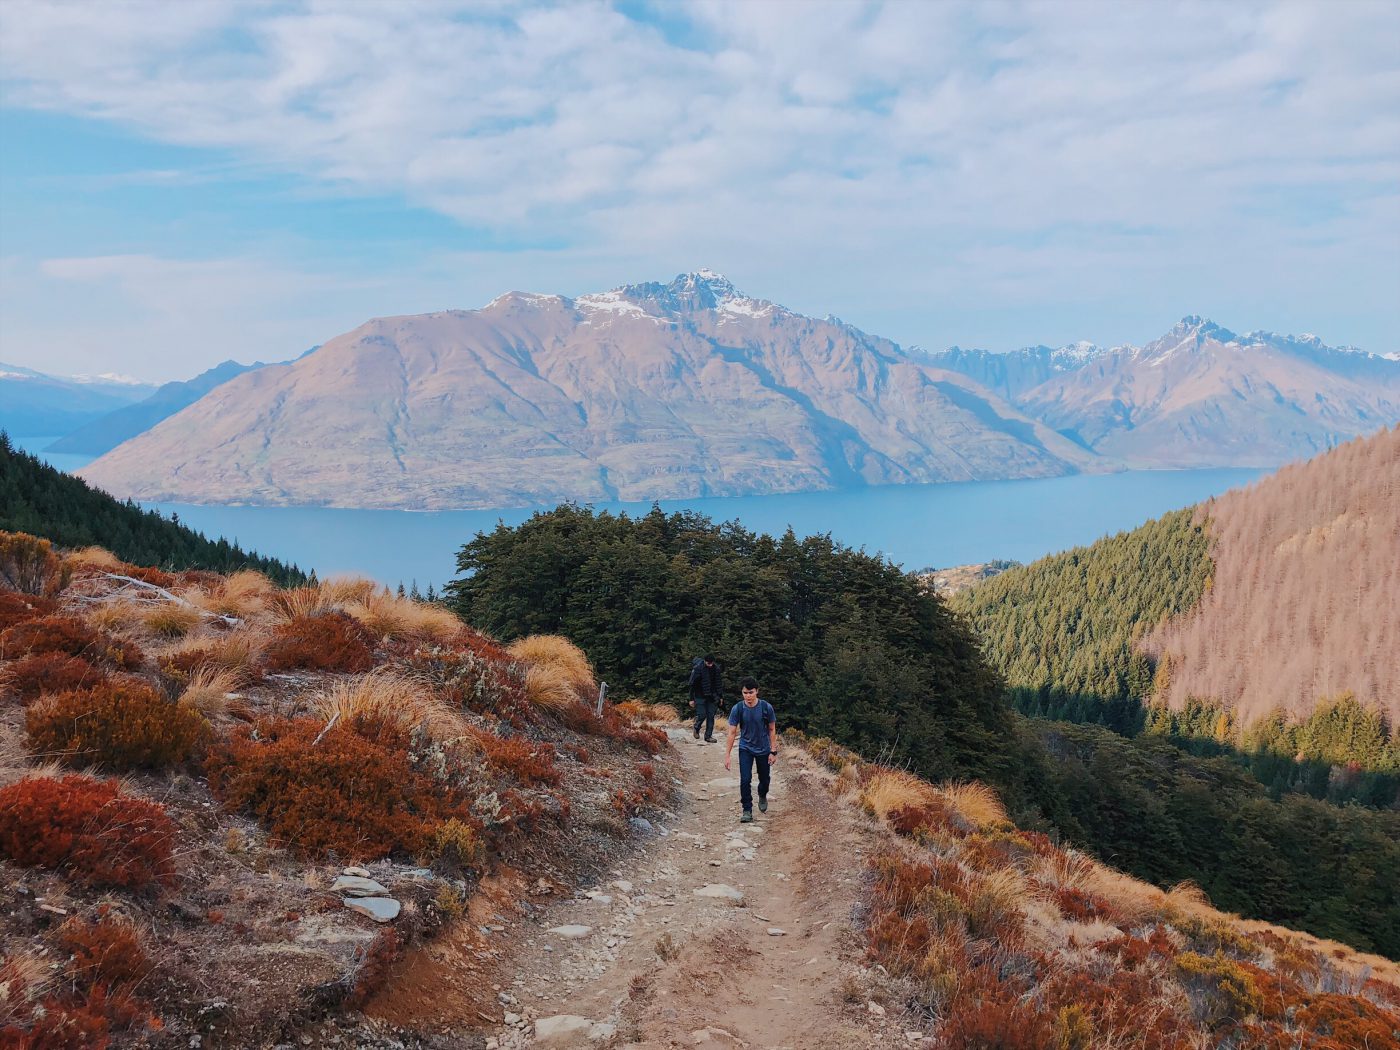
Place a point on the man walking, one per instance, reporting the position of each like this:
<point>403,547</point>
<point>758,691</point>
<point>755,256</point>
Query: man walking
<point>753,723</point>
<point>705,694</point>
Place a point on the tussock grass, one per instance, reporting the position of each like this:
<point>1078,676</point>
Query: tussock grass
<point>245,595</point>
<point>1138,901</point>
<point>115,617</point>
<point>238,651</point>
<point>549,687</point>
<point>642,711</point>
<point>382,695</point>
<point>170,619</point>
<point>98,558</point>
<point>976,803</point>
<point>24,978</point>
<point>208,689</point>
<point>331,595</point>
<point>392,617</point>
<point>890,790</point>
<point>552,650</point>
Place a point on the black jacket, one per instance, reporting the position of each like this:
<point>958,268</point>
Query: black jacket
<point>705,682</point>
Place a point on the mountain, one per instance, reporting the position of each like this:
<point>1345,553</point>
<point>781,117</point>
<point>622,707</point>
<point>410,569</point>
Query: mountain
<point>35,404</point>
<point>104,434</point>
<point>1199,396</point>
<point>650,391</point>
<point>1262,602</point>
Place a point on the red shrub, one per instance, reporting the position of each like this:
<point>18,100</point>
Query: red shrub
<point>354,792</point>
<point>16,608</point>
<point>107,951</point>
<point>998,1025</point>
<point>1123,1007</point>
<point>68,634</point>
<point>935,814</point>
<point>329,642</point>
<point>1350,1020</point>
<point>372,968</point>
<point>41,673</point>
<point>1080,906</point>
<point>88,828</point>
<point>120,725</point>
<point>1133,952</point>
<point>527,762</point>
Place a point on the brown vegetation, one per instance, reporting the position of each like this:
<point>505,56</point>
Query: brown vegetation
<point>1305,593</point>
<point>326,641</point>
<point>119,725</point>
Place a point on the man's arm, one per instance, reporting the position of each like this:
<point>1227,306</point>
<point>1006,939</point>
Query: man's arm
<point>732,736</point>
<point>773,738</point>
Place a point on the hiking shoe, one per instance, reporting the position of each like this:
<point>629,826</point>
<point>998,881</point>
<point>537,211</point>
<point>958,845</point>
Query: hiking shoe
<point>763,803</point>
<point>747,818</point>
<point>711,740</point>
<point>697,732</point>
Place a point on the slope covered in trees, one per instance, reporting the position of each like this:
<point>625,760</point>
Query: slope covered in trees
<point>1305,602</point>
<point>1065,631</point>
<point>848,645</point>
<point>37,499</point>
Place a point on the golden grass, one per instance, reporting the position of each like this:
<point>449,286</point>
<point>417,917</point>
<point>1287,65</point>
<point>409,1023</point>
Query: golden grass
<point>400,701</point>
<point>330,595</point>
<point>244,595</point>
<point>208,689</point>
<point>24,978</point>
<point>975,803</point>
<point>642,711</point>
<point>893,789</point>
<point>1136,900</point>
<point>170,619</point>
<point>392,617</point>
<point>114,616</point>
<point>238,651</point>
<point>96,558</point>
<point>552,650</point>
<point>548,687</point>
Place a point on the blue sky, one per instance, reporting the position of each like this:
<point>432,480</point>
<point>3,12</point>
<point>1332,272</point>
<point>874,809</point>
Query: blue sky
<point>237,178</point>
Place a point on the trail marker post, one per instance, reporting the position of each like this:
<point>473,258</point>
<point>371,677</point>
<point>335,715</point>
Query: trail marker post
<point>602,696</point>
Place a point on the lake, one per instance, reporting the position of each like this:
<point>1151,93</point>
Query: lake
<point>916,526</point>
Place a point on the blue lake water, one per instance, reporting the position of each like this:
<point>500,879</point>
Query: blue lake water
<point>914,525</point>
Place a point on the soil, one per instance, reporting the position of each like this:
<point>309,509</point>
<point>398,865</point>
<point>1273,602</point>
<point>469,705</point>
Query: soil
<point>661,965</point>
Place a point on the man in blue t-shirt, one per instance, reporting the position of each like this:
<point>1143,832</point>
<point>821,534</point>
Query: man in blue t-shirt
<point>753,723</point>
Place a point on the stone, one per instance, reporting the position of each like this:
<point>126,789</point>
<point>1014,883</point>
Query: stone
<point>641,824</point>
<point>380,909</point>
<point>358,872</point>
<point>571,932</point>
<point>774,931</point>
<point>599,898</point>
<point>601,1032</point>
<point>875,1008</point>
<point>562,1029</point>
<point>512,1019</point>
<point>358,886</point>
<point>622,886</point>
<point>719,890</point>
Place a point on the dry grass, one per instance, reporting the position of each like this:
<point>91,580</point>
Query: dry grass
<point>382,695</point>
<point>24,978</point>
<point>392,617</point>
<point>170,619</point>
<point>976,803</point>
<point>209,688</point>
<point>331,595</point>
<point>96,558</point>
<point>1136,900</point>
<point>238,651</point>
<point>642,711</point>
<point>548,687</point>
<point>115,617</point>
<point>554,651</point>
<point>245,595</point>
<point>893,789</point>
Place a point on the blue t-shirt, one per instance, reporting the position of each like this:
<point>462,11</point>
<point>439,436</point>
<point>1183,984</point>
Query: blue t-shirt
<point>753,725</point>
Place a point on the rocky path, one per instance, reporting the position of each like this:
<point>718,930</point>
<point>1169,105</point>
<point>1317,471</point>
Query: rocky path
<point>715,934</point>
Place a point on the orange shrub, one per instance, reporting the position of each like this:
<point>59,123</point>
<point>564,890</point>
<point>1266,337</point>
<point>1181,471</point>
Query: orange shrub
<point>526,761</point>
<point>353,792</point>
<point>29,564</point>
<point>108,950</point>
<point>1350,1020</point>
<point>16,608</point>
<point>119,725</point>
<point>329,641</point>
<point>69,635</point>
<point>88,828</point>
<point>996,1025</point>
<point>41,673</point>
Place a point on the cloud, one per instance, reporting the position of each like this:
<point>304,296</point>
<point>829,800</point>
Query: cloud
<point>1031,147</point>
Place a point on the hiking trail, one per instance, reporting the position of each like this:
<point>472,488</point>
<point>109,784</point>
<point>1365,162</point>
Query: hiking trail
<point>764,956</point>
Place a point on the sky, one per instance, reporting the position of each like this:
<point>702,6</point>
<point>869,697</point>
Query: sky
<point>185,183</point>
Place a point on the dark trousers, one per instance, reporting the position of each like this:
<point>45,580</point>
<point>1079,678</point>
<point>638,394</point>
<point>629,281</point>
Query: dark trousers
<point>747,761</point>
<point>705,713</point>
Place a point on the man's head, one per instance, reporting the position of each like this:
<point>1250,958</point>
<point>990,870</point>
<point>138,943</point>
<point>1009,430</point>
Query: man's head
<point>749,688</point>
<point>709,660</point>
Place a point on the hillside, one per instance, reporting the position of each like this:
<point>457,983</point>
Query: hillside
<point>541,876</point>
<point>104,434</point>
<point>38,499</point>
<point>1259,619</point>
<point>650,391</point>
<point>1199,396</point>
<point>1305,594</point>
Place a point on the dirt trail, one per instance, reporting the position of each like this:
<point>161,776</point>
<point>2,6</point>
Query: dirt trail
<point>663,966</point>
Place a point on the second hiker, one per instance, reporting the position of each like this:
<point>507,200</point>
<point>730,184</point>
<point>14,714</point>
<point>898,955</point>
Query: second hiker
<point>705,695</point>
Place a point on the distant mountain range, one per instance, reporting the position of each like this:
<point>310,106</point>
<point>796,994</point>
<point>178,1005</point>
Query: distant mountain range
<point>35,404</point>
<point>690,388</point>
<point>1199,396</point>
<point>107,432</point>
